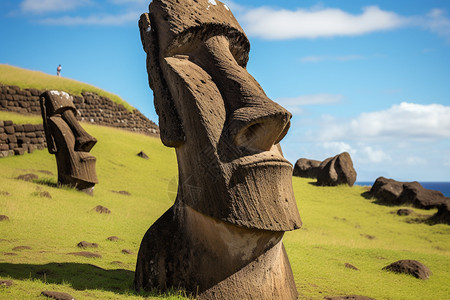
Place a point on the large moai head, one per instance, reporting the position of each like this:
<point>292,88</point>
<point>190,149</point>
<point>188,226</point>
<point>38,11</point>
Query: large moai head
<point>68,141</point>
<point>225,130</point>
<point>222,239</point>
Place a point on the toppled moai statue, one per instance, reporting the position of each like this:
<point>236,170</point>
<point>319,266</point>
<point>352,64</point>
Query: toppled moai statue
<point>68,141</point>
<point>222,238</point>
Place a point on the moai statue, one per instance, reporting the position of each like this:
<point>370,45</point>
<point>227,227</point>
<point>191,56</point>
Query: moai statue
<point>68,141</point>
<point>222,238</point>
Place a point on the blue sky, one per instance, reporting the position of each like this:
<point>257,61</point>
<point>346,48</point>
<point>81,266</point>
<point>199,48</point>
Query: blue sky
<point>368,77</point>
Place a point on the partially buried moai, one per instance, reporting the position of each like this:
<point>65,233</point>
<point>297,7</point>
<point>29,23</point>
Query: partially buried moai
<point>222,238</point>
<point>68,141</point>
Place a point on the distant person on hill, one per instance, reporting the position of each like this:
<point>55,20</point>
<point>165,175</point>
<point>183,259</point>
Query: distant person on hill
<point>58,70</point>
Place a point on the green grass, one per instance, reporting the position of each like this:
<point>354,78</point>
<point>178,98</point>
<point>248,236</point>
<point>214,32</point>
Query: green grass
<point>20,118</point>
<point>23,78</point>
<point>337,224</point>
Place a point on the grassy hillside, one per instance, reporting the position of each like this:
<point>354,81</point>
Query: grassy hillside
<point>23,78</point>
<point>340,226</point>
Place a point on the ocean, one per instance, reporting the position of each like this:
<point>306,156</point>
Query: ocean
<point>443,187</point>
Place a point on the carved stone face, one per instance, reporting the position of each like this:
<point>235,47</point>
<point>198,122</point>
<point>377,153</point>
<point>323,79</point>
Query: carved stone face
<point>68,141</point>
<point>225,129</point>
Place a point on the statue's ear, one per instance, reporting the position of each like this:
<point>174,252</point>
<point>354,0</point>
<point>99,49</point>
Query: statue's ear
<point>170,126</point>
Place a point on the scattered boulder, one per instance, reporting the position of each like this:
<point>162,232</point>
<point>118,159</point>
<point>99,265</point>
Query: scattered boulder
<point>6,283</point>
<point>113,238</point>
<point>392,192</point>
<point>86,254</point>
<point>350,266</point>
<point>28,177</point>
<point>20,248</point>
<point>122,193</point>
<point>10,254</point>
<point>57,295</point>
<point>126,251</point>
<point>368,236</point>
<point>414,193</point>
<point>143,155</point>
<point>118,263</point>
<point>102,210</point>
<point>4,193</point>
<point>404,212</point>
<point>411,267</point>
<point>307,168</point>
<point>386,190</point>
<point>4,218</point>
<point>84,244</point>
<point>442,216</point>
<point>45,194</point>
<point>350,297</point>
<point>337,170</point>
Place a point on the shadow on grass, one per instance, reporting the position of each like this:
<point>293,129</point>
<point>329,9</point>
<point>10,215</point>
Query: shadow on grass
<point>83,277</point>
<point>79,276</point>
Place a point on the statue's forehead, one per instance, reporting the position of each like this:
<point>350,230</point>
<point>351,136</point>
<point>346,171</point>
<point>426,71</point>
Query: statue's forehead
<point>177,20</point>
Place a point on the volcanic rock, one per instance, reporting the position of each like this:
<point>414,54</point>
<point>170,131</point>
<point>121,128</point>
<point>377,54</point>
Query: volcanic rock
<point>386,190</point>
<point>411,267</point>
<point>4,218</point>
<point>126,251</point>
<point>143,155</point>
<point>6,283</point>
<point>337,170</point>
<point>113,238</point>
<point>57,295</point>
<point>307,168</point>
<point>20,248</point>
<point>404,212</point>
<point>28,177</point>
<point>443,215</point>
<point>350,266</point>
<point>102,210</point>
<point>84,244</point>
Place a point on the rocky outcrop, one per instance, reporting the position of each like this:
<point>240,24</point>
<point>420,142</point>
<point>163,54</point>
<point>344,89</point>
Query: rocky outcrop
<point>330,172</point>
<point>443,214</point>
<point>91,108</point>
<point>17,139</point>
<point>337,170</point>
<point>410,267</point>
<point>392,192</point>
<point>307,168</point>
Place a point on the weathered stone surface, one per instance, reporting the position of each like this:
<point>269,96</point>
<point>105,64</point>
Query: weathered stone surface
<point>411,267</point>
<point>414,193</point>
<point>404,212</point>
<point>68,141</point>
<point>307,168</point>
<point>57,295</point>
<point>28,177</point>
<point>102,210</point>
<point>222,239</point>
<point>6,283</point>
<point>387,190</point>
<point>350,266</point>
<point>84,244</point>
<point>143,155</point>
<point>443,215</point>
<point>392,192</point>
<point>337,170</point>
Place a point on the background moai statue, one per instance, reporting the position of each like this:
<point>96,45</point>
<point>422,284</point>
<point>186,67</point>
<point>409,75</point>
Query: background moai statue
<point>222,238</point>
<point>68,141</point>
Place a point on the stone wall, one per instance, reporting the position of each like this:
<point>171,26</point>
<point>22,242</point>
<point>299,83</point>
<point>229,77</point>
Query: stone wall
<point>92,108</point>
<point>17,139</point>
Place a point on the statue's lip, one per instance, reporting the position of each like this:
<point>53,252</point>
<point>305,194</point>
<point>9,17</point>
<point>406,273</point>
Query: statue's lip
<point>262,159</point>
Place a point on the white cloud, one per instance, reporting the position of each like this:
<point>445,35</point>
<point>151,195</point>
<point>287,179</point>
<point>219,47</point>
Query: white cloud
<point>374,155</point>
<point>404,121</point>
<point>338,147</point>
<point>321,58</point>
<point>437,22</point>
<point>46,6</point>
<point>102,20</point>
<point>274,24</point>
